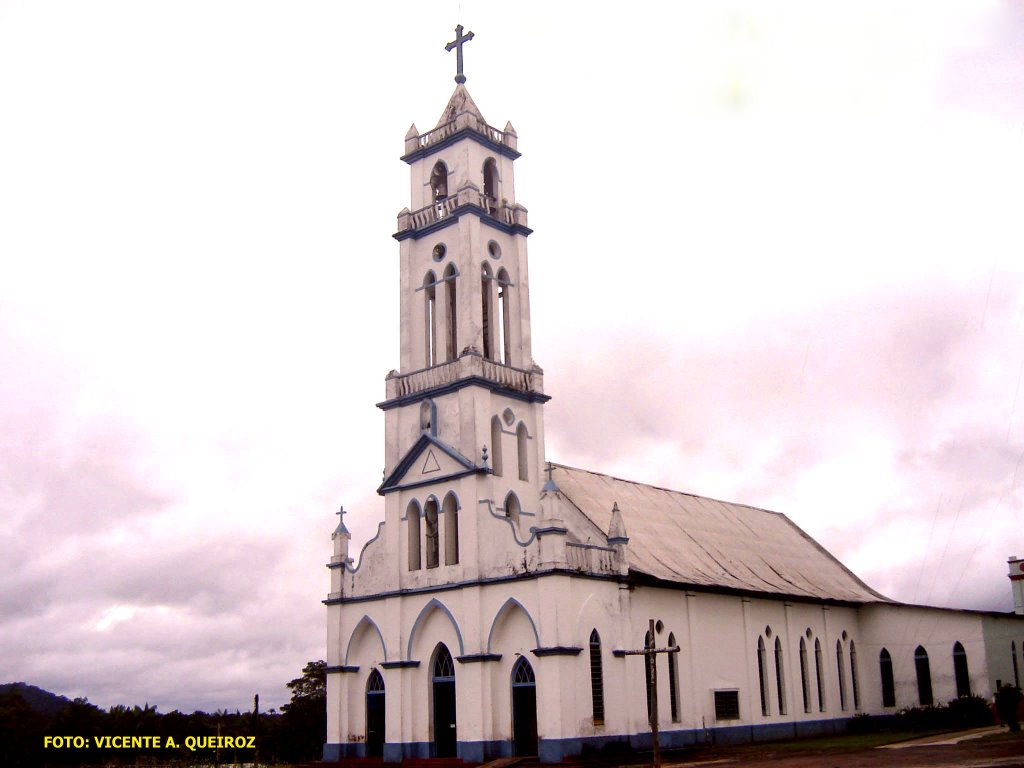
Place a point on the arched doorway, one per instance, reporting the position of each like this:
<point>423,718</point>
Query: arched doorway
<point>375,715</point>
<point>524,708</point>
<point>443,695</point>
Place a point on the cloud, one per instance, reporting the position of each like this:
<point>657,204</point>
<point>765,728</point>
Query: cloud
<point>846,418</point>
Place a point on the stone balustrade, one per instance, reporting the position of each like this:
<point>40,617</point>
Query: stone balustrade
<point>469,365</point>
<point>588,558</point>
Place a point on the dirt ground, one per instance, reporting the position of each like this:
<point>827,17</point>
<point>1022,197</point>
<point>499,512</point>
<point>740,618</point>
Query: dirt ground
<point>1002,750</point>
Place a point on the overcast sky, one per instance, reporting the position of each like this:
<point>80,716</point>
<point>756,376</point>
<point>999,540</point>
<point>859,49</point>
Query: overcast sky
<point>777,259</point>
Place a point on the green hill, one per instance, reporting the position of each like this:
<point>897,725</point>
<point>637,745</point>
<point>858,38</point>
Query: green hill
<point>38,700</point>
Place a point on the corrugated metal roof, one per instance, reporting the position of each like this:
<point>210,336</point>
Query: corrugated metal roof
<point>704,542</point>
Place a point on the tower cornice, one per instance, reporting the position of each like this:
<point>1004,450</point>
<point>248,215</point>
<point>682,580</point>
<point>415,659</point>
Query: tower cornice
<point>443,136</point>
<point>510,219</point>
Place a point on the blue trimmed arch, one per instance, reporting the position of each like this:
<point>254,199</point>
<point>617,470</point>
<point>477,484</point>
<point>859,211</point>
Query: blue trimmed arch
<point>366,620</point>
<point>434,604</point>
<point>507,606</point>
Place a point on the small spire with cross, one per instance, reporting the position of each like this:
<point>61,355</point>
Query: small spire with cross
<point>457,44</point>
<point>341,529</point>
<point>550,484</point>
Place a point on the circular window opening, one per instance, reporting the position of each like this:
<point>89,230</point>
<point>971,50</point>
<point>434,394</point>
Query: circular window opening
<point>494,250</point>
<point>439,251</point>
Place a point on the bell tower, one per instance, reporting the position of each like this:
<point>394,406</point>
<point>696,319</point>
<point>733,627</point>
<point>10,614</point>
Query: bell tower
<point>464,411</point>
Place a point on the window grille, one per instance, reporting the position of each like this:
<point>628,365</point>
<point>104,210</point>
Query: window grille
<point>375,684</point>
<point>522,673</point>
<point>727,705</point>
<point>444,667</point>
<point>596,677</point>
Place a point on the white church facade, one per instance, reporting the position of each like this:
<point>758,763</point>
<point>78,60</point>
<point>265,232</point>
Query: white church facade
<point>491,613</point>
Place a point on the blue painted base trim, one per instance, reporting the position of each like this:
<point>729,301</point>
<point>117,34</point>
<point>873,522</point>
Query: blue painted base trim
<point>557,750</point>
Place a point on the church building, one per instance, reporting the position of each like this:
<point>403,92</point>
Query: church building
<point>499,607</point>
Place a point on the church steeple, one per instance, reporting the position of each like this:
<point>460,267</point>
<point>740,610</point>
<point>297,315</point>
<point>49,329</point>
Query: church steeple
<point>467,385</point>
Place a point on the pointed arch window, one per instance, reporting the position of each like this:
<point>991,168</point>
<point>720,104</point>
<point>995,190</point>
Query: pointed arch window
<point>596,678</point>
<point>504,321</point>
<point>805,683</point>
<point>450,511</point>
<point>924,677</point>
<point>487,310</point>
<point>430,318</point>
<point>819,673</point>
<point>450,311</point>
<point>523,450</point>
<point>439,181</point>
<point>443,668</point>
<point>512,508</point>
<point>491,183</point>
<point>496,467</point>
<point>432,537</point>
<point>673,679</point>
<point>780,676</point>
<point>648,661</point>
<point>888,681</point>
<point>853,675</point>
<point>841,668</point>
<point>762,675</point>
<point>375,683</point>
<point>1016,669</point>
<point>963,677</point>
<point>522,672</point>
<point>412,514</point>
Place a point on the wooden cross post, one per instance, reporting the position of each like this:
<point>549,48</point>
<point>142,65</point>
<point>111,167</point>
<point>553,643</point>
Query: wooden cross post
<point>652,653</point>
<point>457,44</point>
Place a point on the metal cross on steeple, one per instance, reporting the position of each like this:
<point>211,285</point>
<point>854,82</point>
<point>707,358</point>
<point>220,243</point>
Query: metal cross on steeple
<point>457,43</point>
<point>341,520</point>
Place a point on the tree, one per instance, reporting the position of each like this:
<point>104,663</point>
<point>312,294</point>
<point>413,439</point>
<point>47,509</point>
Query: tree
<point>305,716</point>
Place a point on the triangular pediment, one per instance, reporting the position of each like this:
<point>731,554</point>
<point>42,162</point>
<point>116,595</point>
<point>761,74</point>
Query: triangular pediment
<point>428,461</point>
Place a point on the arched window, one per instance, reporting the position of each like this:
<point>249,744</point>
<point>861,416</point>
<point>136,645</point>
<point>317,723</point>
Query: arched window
<point>819,673</point>
<point>853,676</point>
<point>522,672</point>
<point>487,310</point>
<point>780,677</point>
<point>924,677</point>
<point>496,446</point>
<point>412,514</point>
<point>648,661</point>
<point>439,181</point>
<point>762,675</point>
<point>512,508</point>
<point>450,306</point>
<point>491,183</point>
<point>673,681</point>
<point>443,667</point>
<point>504,326</point>
<point>1016,669</point>
<point>450,510</point>
<point>841,668</point>
<point>430,318</point>
<point>430,515</point>
<point>523,449</point>
<point>888,681</point>
<point>596,678</point>
<point>805,683</point>
<point>963,678</point>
